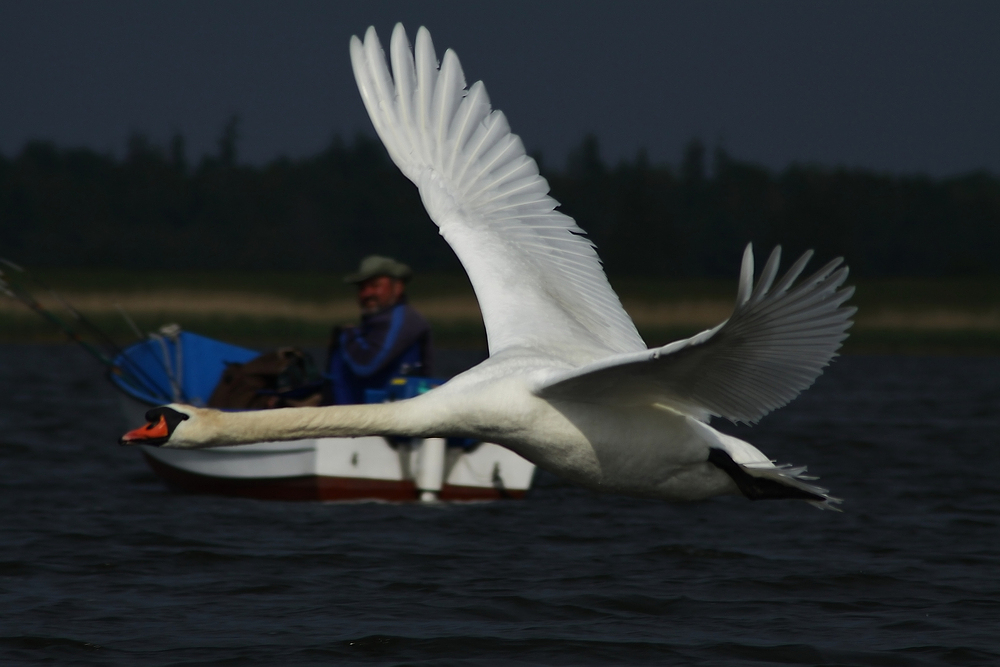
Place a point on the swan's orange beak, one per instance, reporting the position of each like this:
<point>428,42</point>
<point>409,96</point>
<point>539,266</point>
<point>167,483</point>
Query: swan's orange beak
<point>162,422</point>
<point>150,434</point>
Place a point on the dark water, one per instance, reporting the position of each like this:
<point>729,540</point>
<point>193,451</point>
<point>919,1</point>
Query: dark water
<point>100,565</point>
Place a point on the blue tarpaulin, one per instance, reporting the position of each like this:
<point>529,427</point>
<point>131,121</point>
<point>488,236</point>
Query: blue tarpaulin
<point>184,369</point>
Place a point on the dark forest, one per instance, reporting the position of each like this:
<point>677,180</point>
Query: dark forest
<point>156,209</point>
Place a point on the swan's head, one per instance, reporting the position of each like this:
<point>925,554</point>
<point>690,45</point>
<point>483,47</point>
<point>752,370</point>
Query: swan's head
<point>162,423</point>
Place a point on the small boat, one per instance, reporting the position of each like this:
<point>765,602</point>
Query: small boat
<point>180,366</point>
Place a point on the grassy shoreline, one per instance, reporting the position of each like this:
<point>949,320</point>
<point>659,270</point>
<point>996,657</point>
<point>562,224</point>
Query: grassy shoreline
<point>912,316</point>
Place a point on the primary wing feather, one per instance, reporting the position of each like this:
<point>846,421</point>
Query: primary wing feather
<point>538,278</point>
<point>775,345</point>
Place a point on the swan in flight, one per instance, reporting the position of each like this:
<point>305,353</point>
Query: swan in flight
<point>569,383</point>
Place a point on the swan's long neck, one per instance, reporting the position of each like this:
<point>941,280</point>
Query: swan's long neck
<point>211,428</point>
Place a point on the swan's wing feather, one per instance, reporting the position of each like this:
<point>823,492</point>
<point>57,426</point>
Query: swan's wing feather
<point>775,345</point>
<point>538,278</point>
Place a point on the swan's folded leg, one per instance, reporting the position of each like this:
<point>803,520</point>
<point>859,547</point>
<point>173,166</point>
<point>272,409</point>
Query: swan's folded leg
<point>769,482</point>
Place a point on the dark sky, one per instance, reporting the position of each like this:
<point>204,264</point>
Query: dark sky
<point>903,86</point>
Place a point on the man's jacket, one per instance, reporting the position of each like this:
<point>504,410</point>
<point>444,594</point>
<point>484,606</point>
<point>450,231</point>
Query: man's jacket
<point>394,341</point>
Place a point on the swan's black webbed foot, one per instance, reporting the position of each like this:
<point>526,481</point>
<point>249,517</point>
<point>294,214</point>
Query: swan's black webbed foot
<point>757,488</point>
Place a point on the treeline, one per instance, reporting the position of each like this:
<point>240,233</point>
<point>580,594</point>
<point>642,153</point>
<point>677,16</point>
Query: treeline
<point>155,208</point>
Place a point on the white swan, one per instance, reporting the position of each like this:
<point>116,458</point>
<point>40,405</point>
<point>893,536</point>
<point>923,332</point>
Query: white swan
<point>569,383</point>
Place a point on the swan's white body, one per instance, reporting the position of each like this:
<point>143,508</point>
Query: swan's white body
<point>569,384</point>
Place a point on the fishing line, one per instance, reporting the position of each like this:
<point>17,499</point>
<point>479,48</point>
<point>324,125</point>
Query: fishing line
<point>20,293</point>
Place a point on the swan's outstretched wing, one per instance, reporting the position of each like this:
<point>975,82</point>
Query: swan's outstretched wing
<point>538,278</point>
<point>774,346</point>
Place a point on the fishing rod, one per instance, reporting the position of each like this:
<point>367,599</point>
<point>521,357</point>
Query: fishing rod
<point>20,293</point>
<point>77,315</point>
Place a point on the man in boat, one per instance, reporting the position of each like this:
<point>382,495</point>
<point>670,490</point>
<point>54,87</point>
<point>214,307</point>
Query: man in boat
<point>392,339</point>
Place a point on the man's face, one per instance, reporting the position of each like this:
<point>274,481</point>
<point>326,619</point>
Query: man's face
<point>378,293</point>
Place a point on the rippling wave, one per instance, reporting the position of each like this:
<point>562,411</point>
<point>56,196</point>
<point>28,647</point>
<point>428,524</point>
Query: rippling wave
<point>101,565</point>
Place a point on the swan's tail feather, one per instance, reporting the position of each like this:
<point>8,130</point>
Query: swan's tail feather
<point>769,482</point>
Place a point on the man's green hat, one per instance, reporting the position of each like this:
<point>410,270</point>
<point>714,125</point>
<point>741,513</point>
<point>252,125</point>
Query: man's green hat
<point>377,265</point>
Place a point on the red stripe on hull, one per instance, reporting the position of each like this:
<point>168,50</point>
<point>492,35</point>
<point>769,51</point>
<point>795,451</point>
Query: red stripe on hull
<point>313,487</point>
